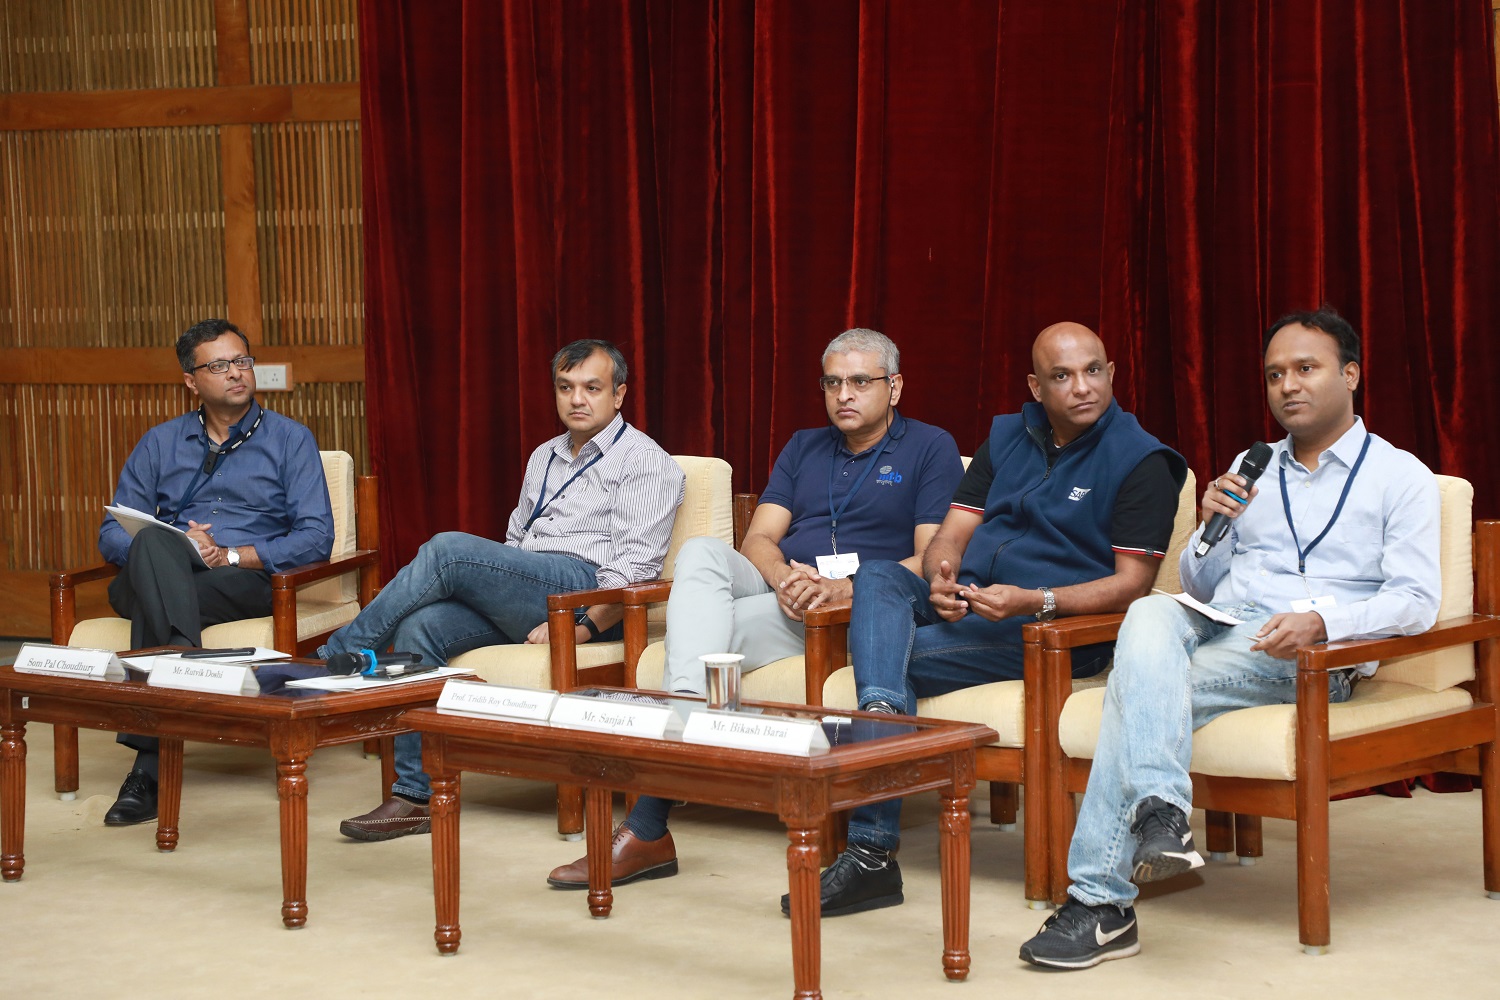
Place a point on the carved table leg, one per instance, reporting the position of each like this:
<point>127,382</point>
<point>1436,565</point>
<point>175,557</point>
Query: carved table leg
<point>291,788</point>
<point>802,876</point>
<point>599,803</point>
<point>444,805</point>
<point>65,761</point>
<point>169,794</point>
<point>12,799</point>
<point>953,851</point>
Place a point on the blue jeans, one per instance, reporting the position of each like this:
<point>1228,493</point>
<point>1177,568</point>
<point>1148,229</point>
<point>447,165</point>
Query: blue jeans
<point>461,592</point>
<point>1175,671</point>
<point>904,650</point>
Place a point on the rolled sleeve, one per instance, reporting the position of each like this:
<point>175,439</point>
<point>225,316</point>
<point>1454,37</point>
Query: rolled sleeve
<point>1200,576</point>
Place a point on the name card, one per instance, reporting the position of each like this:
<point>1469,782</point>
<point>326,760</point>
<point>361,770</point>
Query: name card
<point>474,698</point>
<point>66,661</point>
<point>766,733</point>
<point>602,715</point>
<point>204,675</point>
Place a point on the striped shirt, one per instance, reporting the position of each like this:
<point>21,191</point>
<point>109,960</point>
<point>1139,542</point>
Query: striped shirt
<point>617,515</point>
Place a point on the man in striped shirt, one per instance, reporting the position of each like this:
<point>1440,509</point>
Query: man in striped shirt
<point>596,511</point>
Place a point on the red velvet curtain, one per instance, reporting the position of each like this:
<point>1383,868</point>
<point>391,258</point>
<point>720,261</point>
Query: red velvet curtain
<point>721,186</point>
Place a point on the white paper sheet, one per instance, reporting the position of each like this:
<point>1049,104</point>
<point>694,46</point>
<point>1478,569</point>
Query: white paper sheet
<point>1201,608</point>
<point>145,663</point>
<point>354,682</point>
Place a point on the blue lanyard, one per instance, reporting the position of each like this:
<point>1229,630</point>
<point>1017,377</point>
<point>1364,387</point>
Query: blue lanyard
<point>211,460</point>
<point>838,512</point>
<point>1286,506</point>
<point>541,500</point>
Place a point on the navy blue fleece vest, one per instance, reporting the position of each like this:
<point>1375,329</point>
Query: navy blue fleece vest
<point>1046,528</point>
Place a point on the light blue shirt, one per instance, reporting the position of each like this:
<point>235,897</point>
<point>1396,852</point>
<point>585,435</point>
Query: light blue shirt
<point>1379,561</point>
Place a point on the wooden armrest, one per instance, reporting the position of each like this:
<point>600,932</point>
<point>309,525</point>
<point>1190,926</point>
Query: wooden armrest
<point>829,614</point>
<point>293,578</point>
<point>581,598</point>
<point>1453,632</point>
<point>72,578</point>
<point>1070,633</point>
<point>640,594</point>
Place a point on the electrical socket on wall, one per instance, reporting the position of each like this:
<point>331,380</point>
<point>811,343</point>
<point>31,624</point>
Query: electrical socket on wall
<point>273,377</point>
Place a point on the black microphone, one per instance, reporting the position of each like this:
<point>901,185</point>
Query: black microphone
<point>353,663</point>
<point>1251,466</point>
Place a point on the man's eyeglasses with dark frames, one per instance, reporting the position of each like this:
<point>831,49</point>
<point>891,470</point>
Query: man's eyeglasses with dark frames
<point>859,383</point>
<point>244,363</point>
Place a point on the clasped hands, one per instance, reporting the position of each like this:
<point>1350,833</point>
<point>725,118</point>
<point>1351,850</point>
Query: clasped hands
<point>213,554</point>
<point>999,600</point>
<point>803,588</point>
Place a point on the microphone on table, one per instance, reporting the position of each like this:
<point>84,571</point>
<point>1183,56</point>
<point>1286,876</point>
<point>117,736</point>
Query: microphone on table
<point>371,663</point>
<point>1251,466</point>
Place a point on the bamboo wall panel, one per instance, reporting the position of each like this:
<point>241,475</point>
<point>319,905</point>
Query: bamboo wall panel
<point>111,238</point>
<point>309,222</point>
<point>303,41</point>
<point>105,44</point>
<point>62,447</point>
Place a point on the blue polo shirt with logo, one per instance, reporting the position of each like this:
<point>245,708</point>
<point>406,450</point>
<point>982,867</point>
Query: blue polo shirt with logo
<point>915,471</point>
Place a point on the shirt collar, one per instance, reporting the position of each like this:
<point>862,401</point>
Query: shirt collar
<point>605,439</point>
<point>1346,449</point>
<point>196,429</point>
<point>897,432</point>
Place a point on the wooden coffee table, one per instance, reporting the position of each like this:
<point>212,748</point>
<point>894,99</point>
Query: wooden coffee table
<point>889,757</point>
<point>291,723</point>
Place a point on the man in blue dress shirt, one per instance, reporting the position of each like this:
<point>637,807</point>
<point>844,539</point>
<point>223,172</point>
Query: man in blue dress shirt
<point>1345,546</point>
<point>246,485</point>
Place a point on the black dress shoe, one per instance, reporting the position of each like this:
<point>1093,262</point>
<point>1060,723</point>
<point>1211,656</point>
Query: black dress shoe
<point>849,886</point>
<point>136,802</point>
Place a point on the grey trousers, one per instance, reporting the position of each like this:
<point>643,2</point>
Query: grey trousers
<point>721,604</point>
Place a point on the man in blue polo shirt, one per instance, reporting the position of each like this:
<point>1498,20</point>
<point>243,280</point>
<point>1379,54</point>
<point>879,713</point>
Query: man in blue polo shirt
<point>873,485</point>
<point>1066,510</point>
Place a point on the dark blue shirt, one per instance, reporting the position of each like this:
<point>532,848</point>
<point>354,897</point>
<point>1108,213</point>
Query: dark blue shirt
<point>269,492</point>
<point>916,471</point>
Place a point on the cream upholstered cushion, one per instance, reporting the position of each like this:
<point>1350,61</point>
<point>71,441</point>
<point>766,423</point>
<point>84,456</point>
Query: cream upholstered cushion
<point>1183,526</point>
<point>707,509</point>
<point>1001,705</point>
<point>1444,668</point>
<point>321,607</point>
<point>1261,742</point>
<point>781,680</point>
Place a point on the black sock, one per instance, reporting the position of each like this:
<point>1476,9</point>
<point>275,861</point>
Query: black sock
<point>408,798</point>
<point>648,820</point>
<point>147,762</point>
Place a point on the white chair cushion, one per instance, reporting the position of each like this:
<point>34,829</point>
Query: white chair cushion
<point>1444,668</point>
<point>530,665</point>
<point>1261,742</point>
<point>1001,705</point>
<point>781,680</point>
<point>313,618</point>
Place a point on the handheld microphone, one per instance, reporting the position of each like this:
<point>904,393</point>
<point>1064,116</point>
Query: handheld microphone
<point>1251,466</point>
<point>371,663</point>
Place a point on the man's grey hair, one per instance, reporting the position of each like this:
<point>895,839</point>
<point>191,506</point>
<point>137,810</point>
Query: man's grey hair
<point>871,342</point>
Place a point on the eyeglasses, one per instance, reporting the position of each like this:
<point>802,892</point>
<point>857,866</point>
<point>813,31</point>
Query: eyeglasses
<point>244,364</point>
<point>859,383</point>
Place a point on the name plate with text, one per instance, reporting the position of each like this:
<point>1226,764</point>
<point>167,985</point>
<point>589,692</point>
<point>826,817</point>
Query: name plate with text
<point>474,698</point>
<point>204,675</point>
<point>67,661</point>
<point>766,733</point>
<point>606,716</point>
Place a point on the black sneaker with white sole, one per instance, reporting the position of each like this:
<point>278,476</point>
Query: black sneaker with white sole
<point>860,879</point>
<point>1166,842</point>
<point>1079,936</point>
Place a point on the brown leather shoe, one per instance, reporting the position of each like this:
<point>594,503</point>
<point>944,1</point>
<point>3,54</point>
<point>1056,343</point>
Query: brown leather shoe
<point>631,857</point>
<point>391,819</point>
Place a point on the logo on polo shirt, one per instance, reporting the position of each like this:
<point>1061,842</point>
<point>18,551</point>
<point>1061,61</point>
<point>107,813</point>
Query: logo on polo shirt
<point>1079,492</point>
<point>887,477</point>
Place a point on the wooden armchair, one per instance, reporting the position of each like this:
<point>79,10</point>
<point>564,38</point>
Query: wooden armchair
<point>1016,712</point>
<point>1431,706</point>
<point>307,603</point>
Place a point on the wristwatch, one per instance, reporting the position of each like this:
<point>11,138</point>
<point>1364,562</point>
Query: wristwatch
<point>1049,605</point>
<point>581,617</point>
<point>232,554</point>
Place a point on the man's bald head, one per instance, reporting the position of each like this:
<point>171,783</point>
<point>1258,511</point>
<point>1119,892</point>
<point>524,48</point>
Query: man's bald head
<point>1071,377</point>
